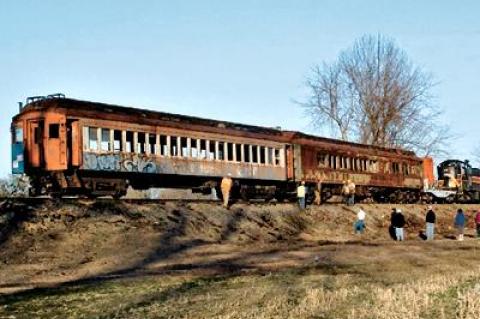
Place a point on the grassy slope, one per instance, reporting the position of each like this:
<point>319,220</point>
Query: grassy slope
<point>200,261</point>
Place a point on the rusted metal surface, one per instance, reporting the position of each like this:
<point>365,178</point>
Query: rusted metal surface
<point>299,155</point>
<point>137,163</point>
<point>383,176</point>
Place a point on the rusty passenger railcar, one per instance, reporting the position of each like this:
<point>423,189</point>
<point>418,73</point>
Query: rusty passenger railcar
<point>380,174</point>
<point>73,146</point>
<point>69,146</point>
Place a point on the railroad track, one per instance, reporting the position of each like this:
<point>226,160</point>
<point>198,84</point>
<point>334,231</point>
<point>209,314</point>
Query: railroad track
<point>146,201</point>
<point>140,201</point>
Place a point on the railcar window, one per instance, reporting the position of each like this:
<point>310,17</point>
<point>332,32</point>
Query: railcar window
<point>261,158</point>
<point>277,157</point>
<point>54,130</point>
<point>183,147</point>
<point>246,151</point>
<point>105,143</point>
<point>221,151</point>
<point>141,140</point>
<point>238,151</point>
<point>203,149</point>
<point>163,145</point>
<point>395,168</point>
<point>321,159</point>
<point>92,138</point>
<point>117,140</point>
<point>193,148</point>
<point>254,154</point>
<point>211,150</point>
<point>229,152</point>
<point>152,142</point>
<point>18,135</point>
<point>271,156</point>
<point>173,146</point>
<point>129,142</point>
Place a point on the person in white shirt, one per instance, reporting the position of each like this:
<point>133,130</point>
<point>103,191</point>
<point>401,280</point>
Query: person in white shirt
<point>301,190</point>
<point>360,222</point>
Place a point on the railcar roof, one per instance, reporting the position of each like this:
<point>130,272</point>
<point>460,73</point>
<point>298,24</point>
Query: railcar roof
<point>73,104</point>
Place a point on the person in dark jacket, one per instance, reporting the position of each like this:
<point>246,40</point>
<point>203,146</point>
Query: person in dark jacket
<point>391,228</point>
<point>430,219</point>
<point>399,223</point>
<point>460,221</point>
<point>477,223</point>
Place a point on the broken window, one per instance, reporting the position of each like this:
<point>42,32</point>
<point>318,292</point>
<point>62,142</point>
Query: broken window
<point>247,149</point>
<point>238,151</point>
<point>163,145</point>
<point>221,151</point>
<point>117,140</point>
<point>152,143</point>
<point>211,151</point>
<point>395,168</point>
<point>321,159</point>
<point>194,149</point>
<point>129,142</point>
<point>254,154</point>
<point>184,147</point>
<point>173,146</point>
<point>203,149</point>
<point>229,152</point>
<point>141,141</point>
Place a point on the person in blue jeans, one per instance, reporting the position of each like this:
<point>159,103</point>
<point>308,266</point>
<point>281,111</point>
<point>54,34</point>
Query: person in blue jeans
<point>398,223</point>
<point>301,192</point>
<point>359,225</point>
<point>460,221</point>
<point>430,223</point>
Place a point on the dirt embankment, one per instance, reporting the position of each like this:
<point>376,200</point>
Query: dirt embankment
<point>59,242</point>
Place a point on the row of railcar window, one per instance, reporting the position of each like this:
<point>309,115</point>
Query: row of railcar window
<point>363,164</point>
<point>111,140</point>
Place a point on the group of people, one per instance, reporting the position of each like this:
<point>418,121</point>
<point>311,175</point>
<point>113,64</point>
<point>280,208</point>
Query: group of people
<point>397,219</point>
<point>397,224</point>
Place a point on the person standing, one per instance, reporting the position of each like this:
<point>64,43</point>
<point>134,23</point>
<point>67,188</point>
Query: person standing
<point>360,222</point>
<point>399,223</point>
<point>477,223</point>
<point>460,220</point>
<point>391,227</point>
<point>351,192</point>
<point>430,219</point>
<point>226,187</point>
<point>301,192</point>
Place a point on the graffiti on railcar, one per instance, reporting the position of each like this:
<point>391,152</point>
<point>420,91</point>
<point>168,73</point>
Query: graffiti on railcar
<point>101,162</point>
<point>139,164</point>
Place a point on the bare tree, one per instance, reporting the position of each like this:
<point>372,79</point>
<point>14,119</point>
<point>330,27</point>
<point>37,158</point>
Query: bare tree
<point>374,94</point>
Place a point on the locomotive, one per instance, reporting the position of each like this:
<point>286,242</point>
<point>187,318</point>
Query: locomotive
<point>457,182</point>
<point>74,147</point>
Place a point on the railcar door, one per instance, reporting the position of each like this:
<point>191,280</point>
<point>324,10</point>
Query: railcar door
<point>56,145</point>
<point>73,143</point>
<point>290,163</point>
<point>35,143</point>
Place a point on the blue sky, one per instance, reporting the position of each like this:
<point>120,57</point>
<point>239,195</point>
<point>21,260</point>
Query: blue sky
<point>242,61</point>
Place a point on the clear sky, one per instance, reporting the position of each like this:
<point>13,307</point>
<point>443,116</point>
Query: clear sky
<point>242,61</point>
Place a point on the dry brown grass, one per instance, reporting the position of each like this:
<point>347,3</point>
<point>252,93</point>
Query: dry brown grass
<point>200,261</point>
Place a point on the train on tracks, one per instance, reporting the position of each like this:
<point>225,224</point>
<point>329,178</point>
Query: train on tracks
<point>73,147</point>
